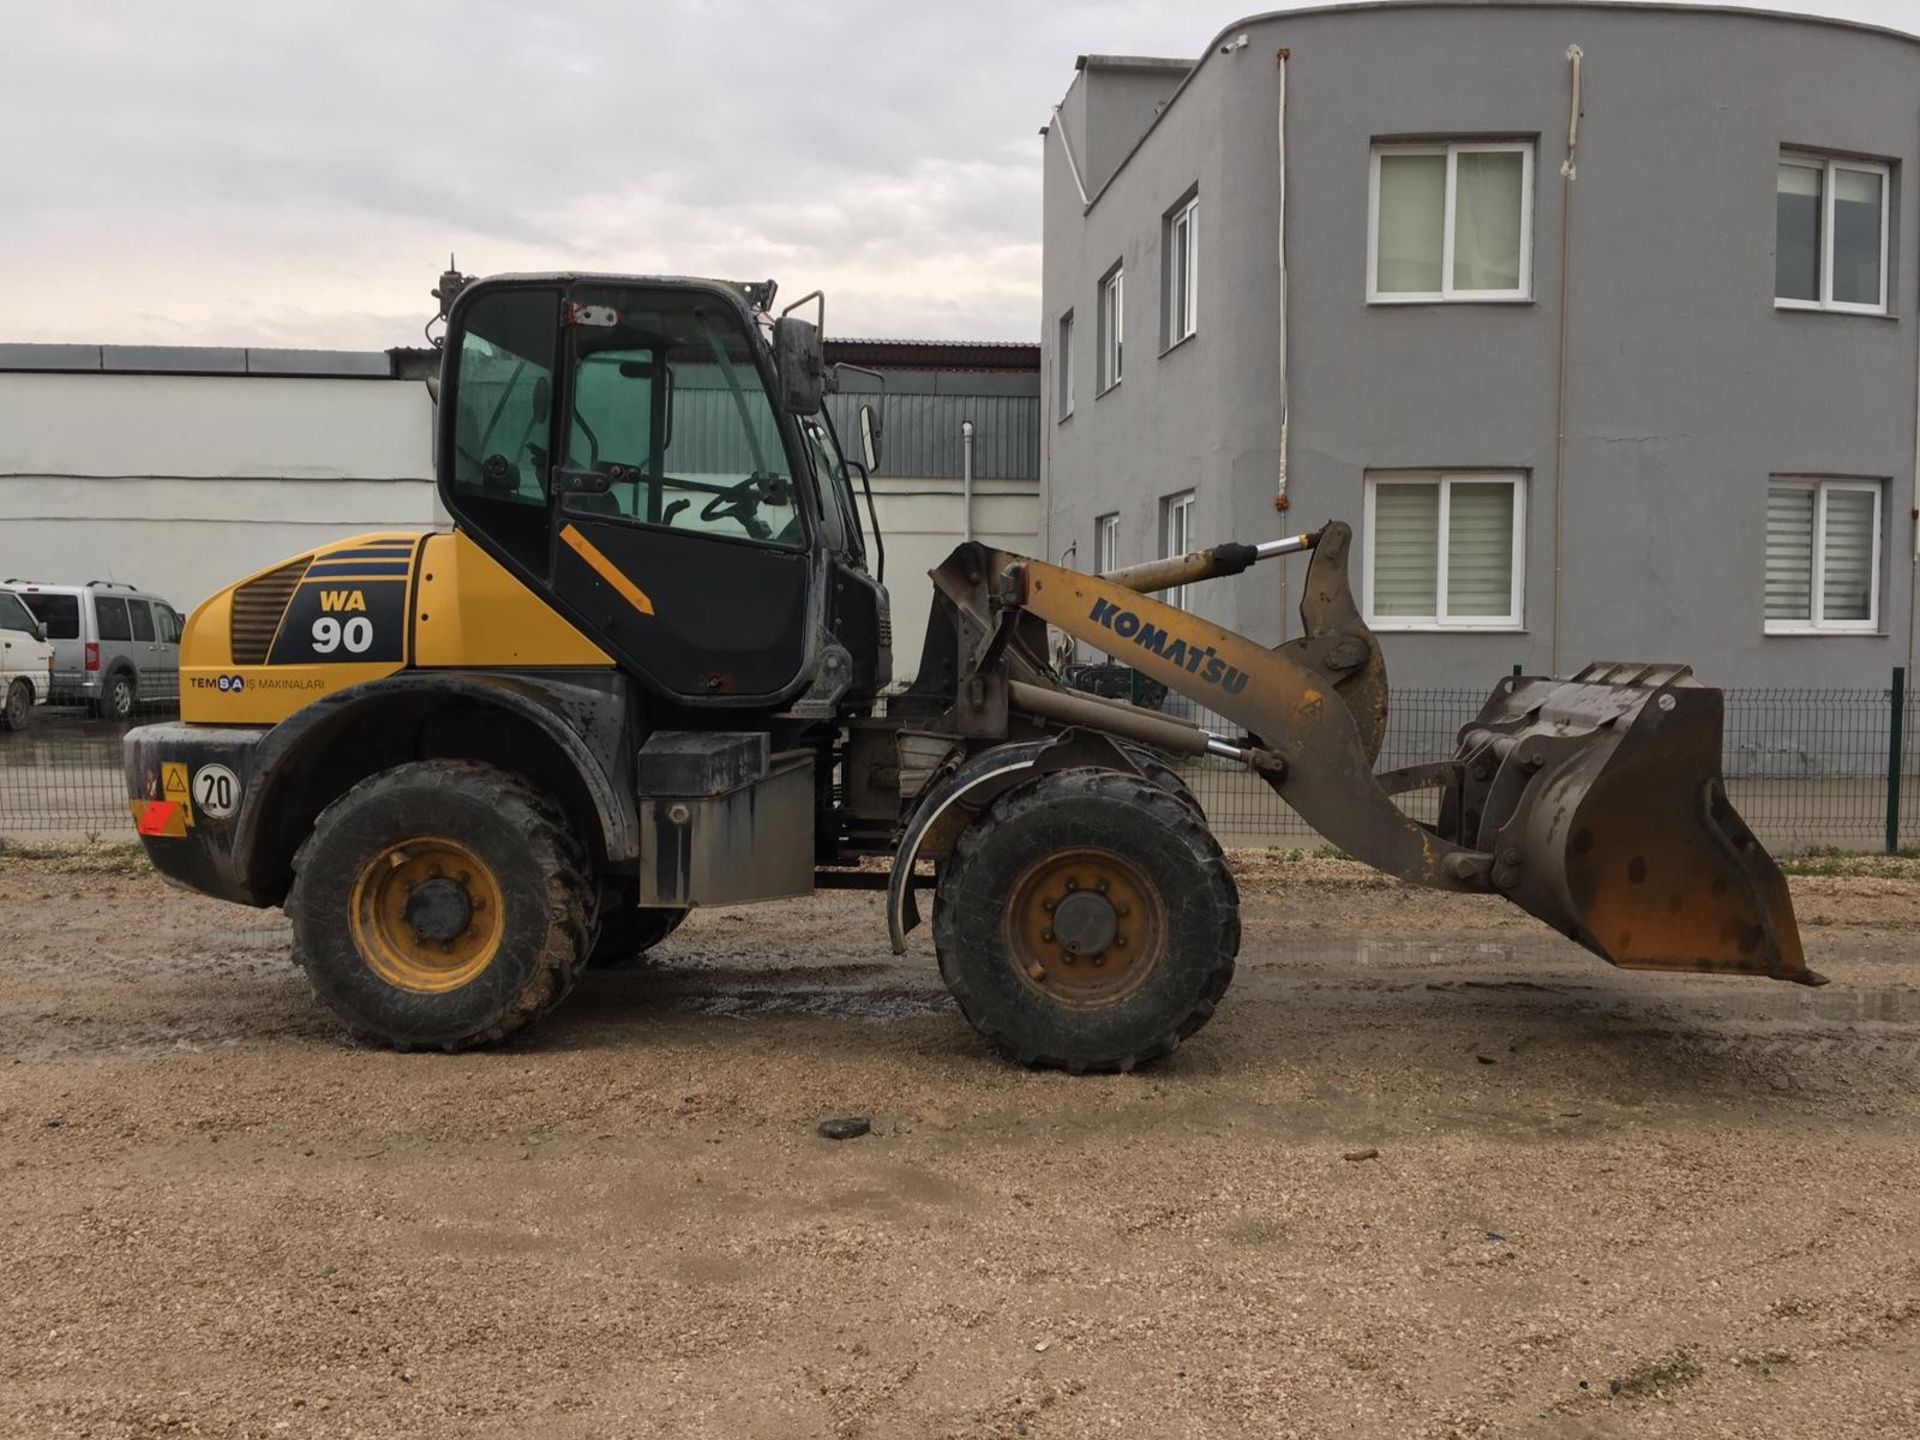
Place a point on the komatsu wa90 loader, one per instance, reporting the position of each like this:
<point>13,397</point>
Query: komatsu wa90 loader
<point>648,669</point>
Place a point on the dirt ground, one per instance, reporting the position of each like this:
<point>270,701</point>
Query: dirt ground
<point>1603,1204</point>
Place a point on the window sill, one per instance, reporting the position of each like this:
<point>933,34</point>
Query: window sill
<point>1185,339</point>
<point>1431,627</point>
<point>1109,390</point>
<point>1068,415</point>
<point>1450,300</point>
<point>1824,632</point>
<point>1814,307</point>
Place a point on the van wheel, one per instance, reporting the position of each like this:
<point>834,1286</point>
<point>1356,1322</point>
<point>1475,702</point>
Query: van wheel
<point>116,701</point>
<point>18,708</point>
<point>441,904</point>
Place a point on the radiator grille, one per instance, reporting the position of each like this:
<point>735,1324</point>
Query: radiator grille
<point>257,608</point>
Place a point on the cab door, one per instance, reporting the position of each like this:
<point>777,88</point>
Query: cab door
<point>634,427</point>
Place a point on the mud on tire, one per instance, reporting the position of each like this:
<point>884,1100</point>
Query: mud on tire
<point>1159,958</point>
<point>455,831</point>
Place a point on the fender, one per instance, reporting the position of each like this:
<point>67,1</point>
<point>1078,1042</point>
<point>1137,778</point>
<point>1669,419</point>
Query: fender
<point>949,807</point>
<point>582,712</point>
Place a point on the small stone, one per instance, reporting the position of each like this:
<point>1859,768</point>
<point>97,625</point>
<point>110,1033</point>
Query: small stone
<point>1040,1346</point>
<point>1361,1155</point>
<point>845,1127</point>
<point>1486,1060</point>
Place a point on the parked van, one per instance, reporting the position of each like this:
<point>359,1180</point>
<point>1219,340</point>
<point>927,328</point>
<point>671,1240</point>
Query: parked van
<point>114,647</point>
<point>26,663</point>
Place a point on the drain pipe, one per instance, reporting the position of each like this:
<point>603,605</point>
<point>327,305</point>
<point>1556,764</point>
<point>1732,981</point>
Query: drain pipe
<point>1281,500</point>
<point>1569,169</point>
<point>966,479</point>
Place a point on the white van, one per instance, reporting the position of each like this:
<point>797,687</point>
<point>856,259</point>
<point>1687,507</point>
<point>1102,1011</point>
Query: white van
<point>26,663</point>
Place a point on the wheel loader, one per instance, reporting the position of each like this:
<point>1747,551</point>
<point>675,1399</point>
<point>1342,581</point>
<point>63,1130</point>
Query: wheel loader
<point>649,669</point>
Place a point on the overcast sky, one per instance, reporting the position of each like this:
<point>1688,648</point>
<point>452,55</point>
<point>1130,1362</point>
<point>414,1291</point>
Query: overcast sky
<point>257,172</point>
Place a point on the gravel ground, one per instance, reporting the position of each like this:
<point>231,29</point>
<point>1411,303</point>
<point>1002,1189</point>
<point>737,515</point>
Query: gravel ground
<point>1602,1204</point>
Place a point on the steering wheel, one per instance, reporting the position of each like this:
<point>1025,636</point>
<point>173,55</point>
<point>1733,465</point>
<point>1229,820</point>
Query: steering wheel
<point>742,503</point>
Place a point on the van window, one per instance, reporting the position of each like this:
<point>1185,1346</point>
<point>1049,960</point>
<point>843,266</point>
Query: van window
<point>142,620</point>
<point>111,614</point>
<point>14,616</point>
<point>168,620</point>
<point>59,613</point>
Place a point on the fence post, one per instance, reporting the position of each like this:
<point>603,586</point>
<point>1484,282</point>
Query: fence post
<point>1894,762</point>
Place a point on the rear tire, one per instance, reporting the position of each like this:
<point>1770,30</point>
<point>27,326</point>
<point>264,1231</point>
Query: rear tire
<point>628,932</point>
<point>442,904</point>
<point>18,706</point>
<point>117,699</point>
<point>1087,922</point>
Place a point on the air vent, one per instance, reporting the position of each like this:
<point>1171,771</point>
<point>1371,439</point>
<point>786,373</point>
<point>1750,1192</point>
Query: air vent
<point>257,608</point>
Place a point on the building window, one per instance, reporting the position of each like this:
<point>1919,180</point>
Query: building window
<point>1106,544</point>
<point>1176,538</point>
<point>1112,319</point>
<point>1064,360</point>
<point>1823,555</point>
<point>1830,235</point>
<point>1445,551</point>
<point>1451,222</point>
<point>1181,247</point>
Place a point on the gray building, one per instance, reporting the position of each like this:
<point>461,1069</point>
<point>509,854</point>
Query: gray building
<point>1597,322</point>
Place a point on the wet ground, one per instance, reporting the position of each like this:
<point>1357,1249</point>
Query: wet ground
<point>1579,1202</point>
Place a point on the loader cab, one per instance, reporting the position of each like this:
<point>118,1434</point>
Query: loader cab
<point>654,457</point>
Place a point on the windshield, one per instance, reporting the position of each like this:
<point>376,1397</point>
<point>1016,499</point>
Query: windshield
<point>667,399</point>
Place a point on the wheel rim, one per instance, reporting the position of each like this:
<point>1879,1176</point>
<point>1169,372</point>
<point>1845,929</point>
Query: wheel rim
<point>16,704</point>
<point>122,697</point>
<point>427,915</point>
<point>1085,928</point>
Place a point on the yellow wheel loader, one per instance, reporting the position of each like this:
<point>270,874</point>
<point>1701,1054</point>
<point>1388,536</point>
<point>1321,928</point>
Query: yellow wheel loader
<point>648,669</point>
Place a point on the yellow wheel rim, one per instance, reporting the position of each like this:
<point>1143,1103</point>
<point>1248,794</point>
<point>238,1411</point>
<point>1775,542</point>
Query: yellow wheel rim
<point>1085,928</point>
<point>427,915</point>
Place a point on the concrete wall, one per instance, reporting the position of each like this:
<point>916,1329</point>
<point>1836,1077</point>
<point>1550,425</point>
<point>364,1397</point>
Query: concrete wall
<point>1687,389</point>
<point>183,484</point>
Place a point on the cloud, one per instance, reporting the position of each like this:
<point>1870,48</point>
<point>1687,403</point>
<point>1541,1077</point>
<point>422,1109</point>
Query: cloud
<point>231,172</point>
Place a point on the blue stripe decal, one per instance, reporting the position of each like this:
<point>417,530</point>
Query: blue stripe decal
<point>362,567</point>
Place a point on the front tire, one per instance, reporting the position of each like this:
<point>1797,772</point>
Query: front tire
<point>441,904</point>
<point>628,932</point>
<point>17,707</point>
<point>1087,922</point>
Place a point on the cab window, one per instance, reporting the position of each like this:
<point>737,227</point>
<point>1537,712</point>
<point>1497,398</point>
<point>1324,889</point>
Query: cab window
<point>14,616</point>
<point>502,425</point>
<point>669,410</point>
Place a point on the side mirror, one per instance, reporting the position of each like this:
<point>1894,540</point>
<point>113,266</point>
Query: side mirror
<point>869,438</point>
<point>800,361</point>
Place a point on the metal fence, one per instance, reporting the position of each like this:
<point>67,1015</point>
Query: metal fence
<point>1807,768</point>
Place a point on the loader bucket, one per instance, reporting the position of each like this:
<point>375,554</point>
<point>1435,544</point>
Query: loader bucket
<point>1601,801</point>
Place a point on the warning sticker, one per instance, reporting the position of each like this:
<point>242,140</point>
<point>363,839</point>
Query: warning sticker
<point>173,780</point>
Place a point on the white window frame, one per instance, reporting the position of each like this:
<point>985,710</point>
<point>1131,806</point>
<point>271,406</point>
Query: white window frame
<point>1183,291</point>
<point>1827,165</point>
<point>1515,618</point>
<point>1106,542</point>
<point>1112,313</point>
<point>1816,623</point>
<point>1176,513</point>
<point>1446,294</point>
<point>1065,361</point>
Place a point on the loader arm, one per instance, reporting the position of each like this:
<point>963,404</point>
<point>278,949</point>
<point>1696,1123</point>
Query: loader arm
<point>1308,740</point>
<point>1595,803</point>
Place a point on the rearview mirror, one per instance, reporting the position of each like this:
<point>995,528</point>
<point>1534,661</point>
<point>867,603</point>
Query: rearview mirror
<point>869,438</point>
<point>800,362</point>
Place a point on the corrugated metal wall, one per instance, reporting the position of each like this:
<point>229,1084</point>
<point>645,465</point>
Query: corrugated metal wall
<point>922,438</point>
